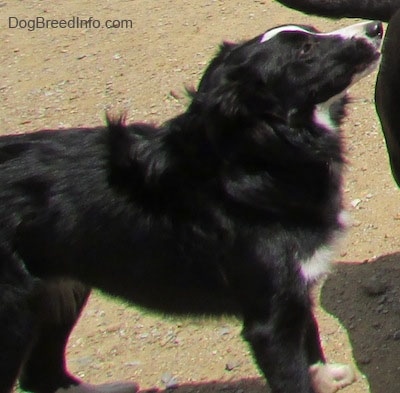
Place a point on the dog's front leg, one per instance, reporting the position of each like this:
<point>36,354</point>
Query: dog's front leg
<point>325,378</point>
<point>287,348</point>
<point>276,330</point>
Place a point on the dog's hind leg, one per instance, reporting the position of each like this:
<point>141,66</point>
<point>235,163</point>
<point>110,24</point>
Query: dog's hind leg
<point>60,303</point>
<point>15,338</point>
<point>16,335</point>
<point>17,322</point>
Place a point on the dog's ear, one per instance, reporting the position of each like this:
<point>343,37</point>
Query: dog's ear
<point>245,96</point>
<point>215,69</point>
<point>227,46</point>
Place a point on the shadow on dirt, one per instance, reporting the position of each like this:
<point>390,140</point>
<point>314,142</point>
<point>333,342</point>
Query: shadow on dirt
<point>366,299</point>
<point>248,385</point>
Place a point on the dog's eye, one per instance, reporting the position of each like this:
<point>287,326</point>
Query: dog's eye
<point>306,48</point>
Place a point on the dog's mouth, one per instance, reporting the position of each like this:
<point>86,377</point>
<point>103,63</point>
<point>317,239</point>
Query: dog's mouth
<point>370,37</point>
<point>364,69</point>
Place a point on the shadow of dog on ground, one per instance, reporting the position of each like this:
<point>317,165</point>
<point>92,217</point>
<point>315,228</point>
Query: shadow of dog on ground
<point>365,298</point>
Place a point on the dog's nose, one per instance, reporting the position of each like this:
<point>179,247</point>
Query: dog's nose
<point>374,29</point>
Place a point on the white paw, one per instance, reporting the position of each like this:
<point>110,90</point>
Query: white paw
<point>329,378</point>
<point>116,387</point>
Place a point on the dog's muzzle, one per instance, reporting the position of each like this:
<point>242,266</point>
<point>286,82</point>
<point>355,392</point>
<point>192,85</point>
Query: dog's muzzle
<point>370,31</point>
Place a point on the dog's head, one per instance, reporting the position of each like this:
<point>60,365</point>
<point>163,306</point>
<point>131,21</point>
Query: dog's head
<point>289,69</point>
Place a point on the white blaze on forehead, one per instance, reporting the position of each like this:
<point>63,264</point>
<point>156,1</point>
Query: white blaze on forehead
<point>356,30</point>
<point>273,32</point>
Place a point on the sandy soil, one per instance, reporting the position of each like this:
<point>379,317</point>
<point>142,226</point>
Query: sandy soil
<point>52,78</point>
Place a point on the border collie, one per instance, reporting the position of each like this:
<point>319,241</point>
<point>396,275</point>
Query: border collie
<point>387,91</point>
<point>367,9</point>
<point>232,207</point>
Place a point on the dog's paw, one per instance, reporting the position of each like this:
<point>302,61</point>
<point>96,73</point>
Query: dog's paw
<point>115,387</point>
<point>329,378</point>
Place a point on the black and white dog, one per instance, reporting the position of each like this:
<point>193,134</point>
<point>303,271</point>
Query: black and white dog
<point>387,92</point>
<point>231,207</point>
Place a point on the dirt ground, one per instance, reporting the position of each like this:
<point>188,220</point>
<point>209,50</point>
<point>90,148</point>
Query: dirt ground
<point>64,77</point>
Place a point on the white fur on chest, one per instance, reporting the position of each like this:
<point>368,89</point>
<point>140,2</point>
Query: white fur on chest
<point>322,115</point>
<point>318,265</point>
<point>320,262</point>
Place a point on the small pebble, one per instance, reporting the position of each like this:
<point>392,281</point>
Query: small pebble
<point>169,381</point>
<point>374,286</point>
